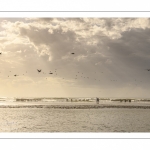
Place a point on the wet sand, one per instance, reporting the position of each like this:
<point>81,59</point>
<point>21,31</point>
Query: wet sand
<point>74,120</point>
<point>66,105</point>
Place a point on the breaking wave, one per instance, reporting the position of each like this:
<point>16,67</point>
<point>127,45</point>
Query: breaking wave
<point>45,99</point>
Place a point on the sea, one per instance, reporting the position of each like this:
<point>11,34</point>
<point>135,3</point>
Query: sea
<point>73,114</point>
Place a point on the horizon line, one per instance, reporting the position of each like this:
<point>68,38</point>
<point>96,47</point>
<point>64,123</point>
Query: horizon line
<point>75,11</point>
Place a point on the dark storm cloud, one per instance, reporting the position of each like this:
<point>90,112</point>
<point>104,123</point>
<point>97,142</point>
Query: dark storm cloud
<point>132,48</point>
<point>111,55</point>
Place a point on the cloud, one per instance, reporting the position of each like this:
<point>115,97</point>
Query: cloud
<point>109,52</point>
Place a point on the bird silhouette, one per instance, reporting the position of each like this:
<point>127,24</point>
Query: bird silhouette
<point>148,69</point>
<point>50,73</point>
<point>15,75</point>
<point>38,70</point>
<point>72,53</point>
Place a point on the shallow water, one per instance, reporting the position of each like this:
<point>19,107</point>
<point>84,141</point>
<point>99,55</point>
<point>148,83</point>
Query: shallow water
<point>74,120</point>
<point>14,103</point>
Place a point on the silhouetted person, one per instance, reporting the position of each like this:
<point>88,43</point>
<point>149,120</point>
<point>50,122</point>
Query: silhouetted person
<point>97,100</point>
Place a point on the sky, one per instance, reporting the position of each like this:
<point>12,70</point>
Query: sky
<point>111,57</point>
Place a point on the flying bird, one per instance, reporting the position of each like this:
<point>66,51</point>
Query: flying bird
<point>72,53</point>
<point>148,69</point>
<point>15,75</point>
<point>38,70</point>
<point>50,73</point>
<point>0,53</point>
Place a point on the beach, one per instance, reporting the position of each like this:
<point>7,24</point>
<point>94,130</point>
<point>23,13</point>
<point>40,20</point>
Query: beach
<point>62,116</point>
<point>74,120</point>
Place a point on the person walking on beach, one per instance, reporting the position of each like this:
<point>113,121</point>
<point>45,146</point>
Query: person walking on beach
<point>97,100</point>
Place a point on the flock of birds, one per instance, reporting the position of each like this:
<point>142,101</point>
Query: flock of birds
<point>79,74</point>
<point>38,70</point>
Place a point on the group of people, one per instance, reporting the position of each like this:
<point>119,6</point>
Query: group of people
<point>97,100</point>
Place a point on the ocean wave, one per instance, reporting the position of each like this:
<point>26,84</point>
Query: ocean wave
<point>28,99</point>
<point>7,99</point>
<point>49,100</point>
<point>54,100</point>
<point>69,99</point>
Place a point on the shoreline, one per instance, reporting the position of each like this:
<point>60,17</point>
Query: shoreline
<point>96,106</point>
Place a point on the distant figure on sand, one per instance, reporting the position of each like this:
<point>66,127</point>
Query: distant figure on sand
<point>97,100</point>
